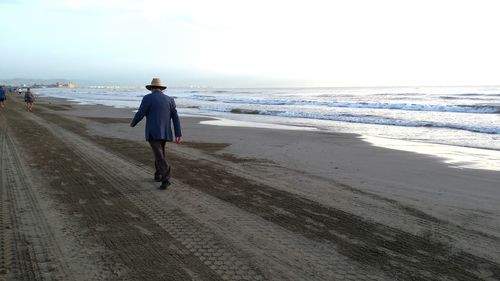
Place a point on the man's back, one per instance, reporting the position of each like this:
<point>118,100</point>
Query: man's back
<point>158,109</point>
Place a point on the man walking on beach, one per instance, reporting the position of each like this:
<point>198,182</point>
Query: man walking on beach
<point>159,109</point>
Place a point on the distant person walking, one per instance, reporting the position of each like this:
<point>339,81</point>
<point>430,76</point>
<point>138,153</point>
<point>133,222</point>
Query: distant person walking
<point>19,91</point>
<point>3,96</point>
<point>159,109</point>
<point>29,98</point>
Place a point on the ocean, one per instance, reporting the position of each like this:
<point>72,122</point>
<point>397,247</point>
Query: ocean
<point>439,121</point>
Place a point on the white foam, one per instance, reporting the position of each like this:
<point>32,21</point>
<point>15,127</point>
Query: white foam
<point>493,108</point>
<point>455,156</point>
<point>235,123</point>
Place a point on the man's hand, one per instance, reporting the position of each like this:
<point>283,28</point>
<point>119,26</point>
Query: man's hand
<point>178,140</point>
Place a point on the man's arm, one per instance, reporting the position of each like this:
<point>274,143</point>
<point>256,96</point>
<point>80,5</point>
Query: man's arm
<point>141,112</point>
<point>177,122</point>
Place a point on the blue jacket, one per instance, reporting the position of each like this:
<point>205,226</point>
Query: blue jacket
<point>2,93</point>
<point>158,109</point>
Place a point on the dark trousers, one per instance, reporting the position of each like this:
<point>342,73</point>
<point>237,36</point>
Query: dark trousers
<point>161,165</point>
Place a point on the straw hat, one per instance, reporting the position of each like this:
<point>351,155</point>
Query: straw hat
<point>156,83</point>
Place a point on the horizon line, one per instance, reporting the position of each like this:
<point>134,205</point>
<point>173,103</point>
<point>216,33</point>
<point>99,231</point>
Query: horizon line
<point>196,85</point>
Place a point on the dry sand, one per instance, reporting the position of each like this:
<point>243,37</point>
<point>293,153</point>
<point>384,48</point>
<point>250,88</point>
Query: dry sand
<point>78,203</point>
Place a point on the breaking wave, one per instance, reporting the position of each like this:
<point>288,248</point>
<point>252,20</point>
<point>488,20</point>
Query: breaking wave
<point>352,118</point>
<point>482,109</point>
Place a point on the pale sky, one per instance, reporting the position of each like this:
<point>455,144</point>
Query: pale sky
<point>253,43</point>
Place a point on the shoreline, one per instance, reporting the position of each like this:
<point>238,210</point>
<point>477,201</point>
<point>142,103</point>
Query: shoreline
<point>453,155</point>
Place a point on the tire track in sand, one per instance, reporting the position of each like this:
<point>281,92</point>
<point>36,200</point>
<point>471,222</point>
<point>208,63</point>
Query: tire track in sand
<point>29,249</point>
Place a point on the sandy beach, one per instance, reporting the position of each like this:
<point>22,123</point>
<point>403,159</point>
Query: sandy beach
<point>78,202</point>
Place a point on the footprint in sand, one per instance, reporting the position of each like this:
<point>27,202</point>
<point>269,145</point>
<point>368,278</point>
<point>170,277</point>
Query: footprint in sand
<point>143,230</point>
<point>132,215</point>
<point>225,181</point>
<point>82,201</point>
<point>107,202</point>
<point>101,228</point>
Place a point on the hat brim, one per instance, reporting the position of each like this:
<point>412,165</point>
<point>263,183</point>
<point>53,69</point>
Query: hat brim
<point>149,87</point>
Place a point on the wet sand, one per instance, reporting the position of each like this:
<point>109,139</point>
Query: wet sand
<point>79,203</point>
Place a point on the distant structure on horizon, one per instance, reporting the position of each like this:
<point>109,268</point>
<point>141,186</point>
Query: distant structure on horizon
<point>68,85</point>
<point>38,83</point>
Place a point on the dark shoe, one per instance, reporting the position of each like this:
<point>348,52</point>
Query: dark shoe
<point>164,184</point>
<point>157,178</point>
